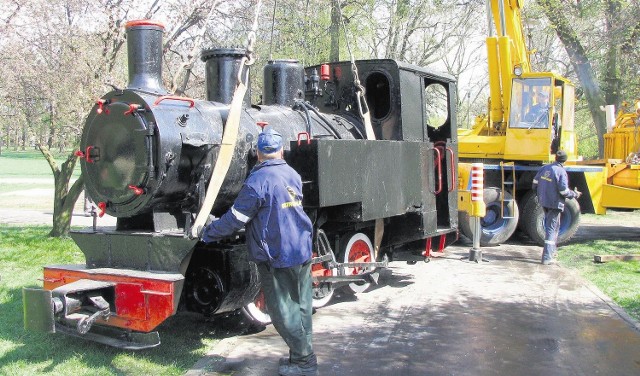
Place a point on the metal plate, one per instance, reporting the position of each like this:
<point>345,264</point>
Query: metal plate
<point>38,310</point>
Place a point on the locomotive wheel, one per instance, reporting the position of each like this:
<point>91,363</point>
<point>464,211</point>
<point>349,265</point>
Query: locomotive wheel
<point>256,311</point>
<point>533,221</point>
<point>322,291</point>
<point>204,290</point>
<point>495,229</point>
<point>357,248</point>
<point>322,294</point>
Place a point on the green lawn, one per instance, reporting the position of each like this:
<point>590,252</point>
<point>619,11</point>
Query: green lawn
<point>23,251</point>
<point>620,280</point>
<point>26,180</point>
<point>30,164</point>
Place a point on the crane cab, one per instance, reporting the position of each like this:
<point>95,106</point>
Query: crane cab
<point>541,118</point>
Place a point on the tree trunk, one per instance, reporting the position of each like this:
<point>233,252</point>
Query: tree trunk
<point>581,64</point>
<point>334,52</point>
<point>613,80</point>
<point>64,197</point>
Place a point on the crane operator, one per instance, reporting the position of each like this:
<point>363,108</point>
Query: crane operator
<point>539,112</point>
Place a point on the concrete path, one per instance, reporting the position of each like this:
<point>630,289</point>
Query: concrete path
<point>44,217</point>
<point>508,316</point>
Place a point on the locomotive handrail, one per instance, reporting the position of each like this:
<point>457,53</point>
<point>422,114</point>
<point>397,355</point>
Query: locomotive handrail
<point>438,165</point>
<point>304,134</point>
<point>175,98</point>
<point>452,169</point>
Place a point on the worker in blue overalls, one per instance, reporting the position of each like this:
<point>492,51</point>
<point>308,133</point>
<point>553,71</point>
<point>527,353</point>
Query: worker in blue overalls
<point>551,184</point>
<point>279,237</point>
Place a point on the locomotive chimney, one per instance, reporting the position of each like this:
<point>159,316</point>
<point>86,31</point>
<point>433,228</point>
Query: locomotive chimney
<point>221,73</point>
<point>144,49</point>
<point>283,82</point>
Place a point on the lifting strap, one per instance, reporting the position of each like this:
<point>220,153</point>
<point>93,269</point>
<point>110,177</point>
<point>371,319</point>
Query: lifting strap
<point>363,110</point>
<point>230,135</point>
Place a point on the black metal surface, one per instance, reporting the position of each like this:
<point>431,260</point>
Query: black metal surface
<point>283,83</point>
<point>132,250</point>
<point>221,74</point>
<point>114,337</point>
<point>144,49</point>
<point>384,178</point>
<point>220,279</point>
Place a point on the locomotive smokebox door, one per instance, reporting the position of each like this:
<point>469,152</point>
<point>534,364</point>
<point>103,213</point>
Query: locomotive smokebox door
<point>38,310</point>
<point>117,157</point>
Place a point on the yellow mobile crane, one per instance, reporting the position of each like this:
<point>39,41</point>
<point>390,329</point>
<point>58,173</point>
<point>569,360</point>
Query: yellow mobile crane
<point>530,116</point>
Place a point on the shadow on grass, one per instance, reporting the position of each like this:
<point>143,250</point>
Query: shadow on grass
<point>185,339</point>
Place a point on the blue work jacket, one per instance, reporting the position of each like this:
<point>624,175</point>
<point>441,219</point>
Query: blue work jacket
<point>551,183</point>
<point>269,206</point>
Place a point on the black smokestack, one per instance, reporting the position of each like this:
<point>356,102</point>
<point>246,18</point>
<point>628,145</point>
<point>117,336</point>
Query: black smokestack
<point>144,49</point>
<point>221,70</point>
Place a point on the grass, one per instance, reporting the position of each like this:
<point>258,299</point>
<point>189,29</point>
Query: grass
<point>26,180</point>
<point>18,163</point>
<point>23,251</point>
<point>620,280</point>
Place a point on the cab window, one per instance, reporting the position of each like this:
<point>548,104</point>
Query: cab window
<point>530,103</point>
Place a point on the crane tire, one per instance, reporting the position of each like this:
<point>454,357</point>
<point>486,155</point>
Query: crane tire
<point>495,229</point>
<point>533,218</point>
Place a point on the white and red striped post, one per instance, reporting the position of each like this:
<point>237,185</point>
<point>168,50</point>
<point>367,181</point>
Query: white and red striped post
<point>478,208</point>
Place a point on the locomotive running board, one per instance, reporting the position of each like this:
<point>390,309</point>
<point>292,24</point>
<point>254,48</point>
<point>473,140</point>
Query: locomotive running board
<point>114,337</point>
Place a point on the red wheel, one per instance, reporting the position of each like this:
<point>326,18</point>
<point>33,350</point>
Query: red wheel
<point>357,248</point>
<point>257,310</point>
<point>322,291</point>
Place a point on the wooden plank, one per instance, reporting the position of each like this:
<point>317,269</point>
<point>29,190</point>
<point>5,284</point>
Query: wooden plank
<point>605,258</point>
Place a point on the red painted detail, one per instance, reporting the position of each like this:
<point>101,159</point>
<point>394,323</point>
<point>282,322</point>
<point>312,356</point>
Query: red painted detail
<point>140,303</point>
<point>79,153</point>
<point>427,248</point>
<point>452,169</point>
<point>102,106</point>
<point>438,162</point>
<point>307,135</point>
<point>260,302</point>
<point>325,74</point>
<point>175,98</point>
<point>134,23</point>
<point>103,208</point>
<point>443,240</point>
<point>318,270</point>
<point>136,190</point>
<point>359,252</point>
<point>262,124</point>
<point>133,107</point>
<point>87,154</point>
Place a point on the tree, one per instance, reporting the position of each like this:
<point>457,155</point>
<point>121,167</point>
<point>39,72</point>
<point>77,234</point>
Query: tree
<point>601,40</point>
<point>74,47</point>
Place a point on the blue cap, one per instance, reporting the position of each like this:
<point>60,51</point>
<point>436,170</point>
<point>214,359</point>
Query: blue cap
<point>269,141</point>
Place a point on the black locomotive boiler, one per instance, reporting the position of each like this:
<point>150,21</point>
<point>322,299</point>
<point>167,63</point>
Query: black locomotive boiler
<point>148,158</point>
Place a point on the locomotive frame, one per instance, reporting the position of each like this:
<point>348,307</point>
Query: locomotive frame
<point>148,158</point>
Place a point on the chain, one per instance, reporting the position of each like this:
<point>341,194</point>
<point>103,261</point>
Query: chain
<point>251,40</point>
<point>363,109</point>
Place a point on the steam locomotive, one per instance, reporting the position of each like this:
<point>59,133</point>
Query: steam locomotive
<point>148,157</point>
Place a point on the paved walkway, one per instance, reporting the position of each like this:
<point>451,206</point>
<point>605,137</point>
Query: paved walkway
<point>509,316</point>
<point>44,217</point>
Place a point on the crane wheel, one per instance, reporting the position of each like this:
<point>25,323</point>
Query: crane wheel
<point>496,228</point>
<point>533,220</point>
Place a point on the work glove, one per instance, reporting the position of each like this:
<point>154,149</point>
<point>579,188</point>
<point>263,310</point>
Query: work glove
<point>577,192</point>
<point>195,232</point>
